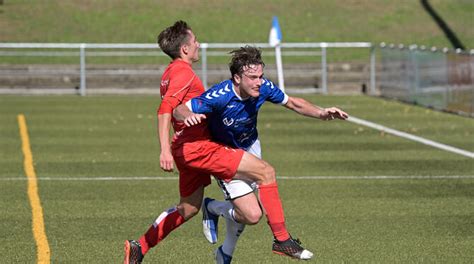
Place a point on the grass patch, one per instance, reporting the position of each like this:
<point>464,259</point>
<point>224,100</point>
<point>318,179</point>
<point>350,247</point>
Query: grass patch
<point>121,21</point>
<point>385,221</point>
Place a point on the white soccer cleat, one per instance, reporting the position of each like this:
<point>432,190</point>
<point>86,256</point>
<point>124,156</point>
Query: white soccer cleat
<point>209,222</point>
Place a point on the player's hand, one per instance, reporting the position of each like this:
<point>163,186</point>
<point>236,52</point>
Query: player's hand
<point>166,161</point>
<point>194,119</point>
<point>333,113</point>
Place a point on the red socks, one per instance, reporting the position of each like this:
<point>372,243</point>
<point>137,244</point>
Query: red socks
<point>171,219</point>
<point>271,202</point>
<point>163,225</point>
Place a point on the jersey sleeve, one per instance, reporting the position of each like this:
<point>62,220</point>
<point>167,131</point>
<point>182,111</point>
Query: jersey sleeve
<point>179,84</point>
<point>274,94</point>
<point>205,103</point>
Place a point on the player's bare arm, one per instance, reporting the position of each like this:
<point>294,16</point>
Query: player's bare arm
<point>164,126</point>
<point>182,113</point>
<point>306,108</point>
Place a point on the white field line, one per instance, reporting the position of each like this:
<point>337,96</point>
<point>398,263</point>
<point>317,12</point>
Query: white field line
<point>411,137</point>
<point>159,178</point>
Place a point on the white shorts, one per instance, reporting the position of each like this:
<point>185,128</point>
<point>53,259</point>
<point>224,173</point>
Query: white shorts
<point>238,188</point>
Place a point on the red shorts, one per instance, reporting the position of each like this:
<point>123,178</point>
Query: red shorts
<point>198,160</point>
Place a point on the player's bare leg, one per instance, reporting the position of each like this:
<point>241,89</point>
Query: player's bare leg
<point>244,210</point>
<point>253,169</point>
<point>166,222</point>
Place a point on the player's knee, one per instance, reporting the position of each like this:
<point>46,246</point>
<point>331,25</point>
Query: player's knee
<point>254,217</point>
<point>249,215</point>
<point>269,174</point>
<point>187,211</point>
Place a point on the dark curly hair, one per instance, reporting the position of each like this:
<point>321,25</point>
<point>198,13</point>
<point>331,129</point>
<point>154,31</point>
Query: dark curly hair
<point>244,56</point>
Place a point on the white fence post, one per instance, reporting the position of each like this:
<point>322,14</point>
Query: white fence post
<point>279,64</point>
<point>324,70</point>
<point>372,70</point>
<point>82,90</point>
<point>204,47</point>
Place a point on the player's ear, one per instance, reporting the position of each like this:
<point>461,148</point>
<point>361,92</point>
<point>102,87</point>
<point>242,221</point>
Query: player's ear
<point>185,49</point>
<point>237,78</point>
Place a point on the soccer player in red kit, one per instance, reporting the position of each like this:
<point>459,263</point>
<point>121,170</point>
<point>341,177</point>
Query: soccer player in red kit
<point>197,157</point>
<point>179,84</point>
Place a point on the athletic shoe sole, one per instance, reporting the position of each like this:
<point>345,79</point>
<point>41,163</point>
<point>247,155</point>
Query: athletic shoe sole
<point>305,255</point>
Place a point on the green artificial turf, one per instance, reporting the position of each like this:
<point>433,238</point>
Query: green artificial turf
<point>343,217</point>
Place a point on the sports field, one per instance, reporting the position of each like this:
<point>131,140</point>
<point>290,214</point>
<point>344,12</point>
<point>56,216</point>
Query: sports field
<point>351,194</point>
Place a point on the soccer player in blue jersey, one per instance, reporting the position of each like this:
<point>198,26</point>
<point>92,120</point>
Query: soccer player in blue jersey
<point>231,109</point>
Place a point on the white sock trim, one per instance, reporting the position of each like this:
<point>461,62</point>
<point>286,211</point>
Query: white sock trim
<point>163,215</point>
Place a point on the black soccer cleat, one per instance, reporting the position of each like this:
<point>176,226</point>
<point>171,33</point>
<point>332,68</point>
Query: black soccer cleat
<point>133,252</point>
<point>292,248</point>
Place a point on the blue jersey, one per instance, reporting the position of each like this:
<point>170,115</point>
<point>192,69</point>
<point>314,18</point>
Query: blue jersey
<point>233,120</point>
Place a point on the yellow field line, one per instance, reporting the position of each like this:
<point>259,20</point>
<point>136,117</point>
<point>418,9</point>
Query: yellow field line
<point>42,246</point>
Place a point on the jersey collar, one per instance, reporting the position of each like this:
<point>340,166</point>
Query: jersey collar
<point>236,94</point>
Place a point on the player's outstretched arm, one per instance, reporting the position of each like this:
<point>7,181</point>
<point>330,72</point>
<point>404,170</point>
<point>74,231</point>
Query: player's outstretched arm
<point>182,113</point>
<point>305,108</point>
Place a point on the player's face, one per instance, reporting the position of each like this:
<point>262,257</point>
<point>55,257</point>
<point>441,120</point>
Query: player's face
<point>251,80</point>
<point>192,47</point>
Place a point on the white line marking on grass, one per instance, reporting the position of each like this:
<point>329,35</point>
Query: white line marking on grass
<point>158,178</point>
<point>411,137</point>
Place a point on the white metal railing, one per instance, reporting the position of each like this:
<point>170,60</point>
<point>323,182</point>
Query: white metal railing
<point>83,53</point>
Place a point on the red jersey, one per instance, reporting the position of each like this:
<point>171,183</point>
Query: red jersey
<point>178,85</point>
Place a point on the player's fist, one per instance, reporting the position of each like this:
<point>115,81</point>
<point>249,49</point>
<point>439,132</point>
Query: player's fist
<point>166,161</point>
